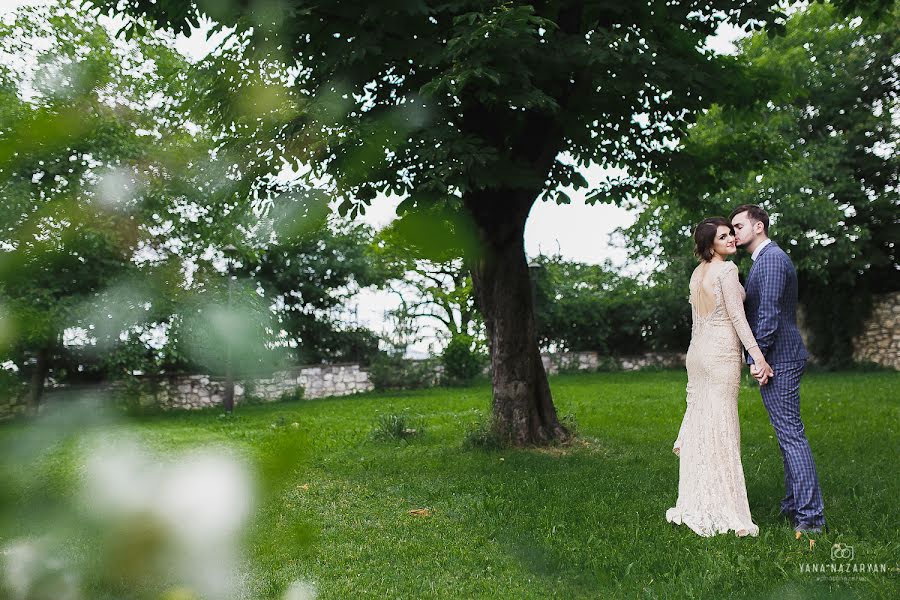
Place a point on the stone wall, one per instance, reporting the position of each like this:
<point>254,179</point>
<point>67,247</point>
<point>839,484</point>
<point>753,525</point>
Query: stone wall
<point>200,391</point>
<point>592,361</point>
<point>11,408</point>
<point>879,341</point>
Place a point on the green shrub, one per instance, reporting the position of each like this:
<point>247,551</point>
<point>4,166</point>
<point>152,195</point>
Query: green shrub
<point>608,364</point>
<point>12,387</point>
<point>581,306</point>
<point>292,395</point>
<point>462,361</point>
<point>395,373</point>
<point>868,366</point>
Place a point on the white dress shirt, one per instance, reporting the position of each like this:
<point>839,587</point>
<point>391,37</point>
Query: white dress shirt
<point>759,249</point>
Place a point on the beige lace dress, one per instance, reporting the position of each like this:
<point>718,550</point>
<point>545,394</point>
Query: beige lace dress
<point>712,494</point>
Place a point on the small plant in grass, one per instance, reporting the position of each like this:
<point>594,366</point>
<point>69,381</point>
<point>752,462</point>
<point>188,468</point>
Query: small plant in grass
<point>481,436</point>
<point>396,427</point>
<point>568,421</point>
<point>292,395</point>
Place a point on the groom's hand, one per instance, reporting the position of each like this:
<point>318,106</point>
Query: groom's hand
<point>761,376</point>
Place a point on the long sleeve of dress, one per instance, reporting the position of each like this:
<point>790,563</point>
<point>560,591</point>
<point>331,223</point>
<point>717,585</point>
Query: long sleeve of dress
<point>733,296</point>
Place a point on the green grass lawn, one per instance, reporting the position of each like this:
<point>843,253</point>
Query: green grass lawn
<point>586,521</point>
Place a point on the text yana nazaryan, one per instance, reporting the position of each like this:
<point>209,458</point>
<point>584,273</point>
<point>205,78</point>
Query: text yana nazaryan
<point>843,568</point>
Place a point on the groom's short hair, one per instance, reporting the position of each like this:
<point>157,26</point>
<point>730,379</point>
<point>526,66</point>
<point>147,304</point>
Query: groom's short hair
<point>755,213</point>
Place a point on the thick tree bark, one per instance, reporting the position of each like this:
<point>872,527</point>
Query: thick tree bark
<point>523,411</point>
<point>38,377</point>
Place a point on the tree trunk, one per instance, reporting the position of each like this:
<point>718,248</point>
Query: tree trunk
<point>228,398</point>
<point>523,411</point>
<point>38,377</point>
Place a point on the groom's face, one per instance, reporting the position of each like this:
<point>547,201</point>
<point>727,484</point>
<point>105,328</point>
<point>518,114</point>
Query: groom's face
<point>744,228</point>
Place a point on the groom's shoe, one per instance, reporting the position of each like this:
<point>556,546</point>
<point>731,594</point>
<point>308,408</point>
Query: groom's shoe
<point>809,531</point>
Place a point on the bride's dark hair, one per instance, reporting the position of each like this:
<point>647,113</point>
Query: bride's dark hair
<point>705,235</point>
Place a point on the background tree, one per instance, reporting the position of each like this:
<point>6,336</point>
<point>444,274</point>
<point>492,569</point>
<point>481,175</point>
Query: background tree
<point>431,280</point>
<point>310,275</point>
<point>584,307</point>
<point>120,195</point>
<point>818,151</point>
<point>475,105</point>
<point>67,226</point>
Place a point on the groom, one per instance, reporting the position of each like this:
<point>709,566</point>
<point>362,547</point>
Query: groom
<point>771,306</point>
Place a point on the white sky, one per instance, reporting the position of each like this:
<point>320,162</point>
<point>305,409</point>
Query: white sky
<point>577,231</point>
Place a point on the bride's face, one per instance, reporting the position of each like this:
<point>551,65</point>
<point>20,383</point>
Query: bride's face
<point>724,243</point>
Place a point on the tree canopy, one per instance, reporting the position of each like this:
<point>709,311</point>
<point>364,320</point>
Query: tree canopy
<point>440,99</point>
<point>819,153</point>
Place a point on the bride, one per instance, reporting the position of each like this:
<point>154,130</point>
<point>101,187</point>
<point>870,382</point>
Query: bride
<point>712,495</point>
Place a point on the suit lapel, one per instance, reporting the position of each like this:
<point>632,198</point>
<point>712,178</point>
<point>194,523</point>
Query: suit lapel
<point>753,269</point>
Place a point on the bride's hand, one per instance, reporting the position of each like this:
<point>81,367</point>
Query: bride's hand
<point>763,371</point>
<point>760,369</point>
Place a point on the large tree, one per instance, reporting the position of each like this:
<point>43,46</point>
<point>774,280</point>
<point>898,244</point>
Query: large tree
<point>484,107</point>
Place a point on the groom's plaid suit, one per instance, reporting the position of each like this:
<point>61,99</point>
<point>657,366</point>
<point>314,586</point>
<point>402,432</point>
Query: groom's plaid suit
<point>771,307</point>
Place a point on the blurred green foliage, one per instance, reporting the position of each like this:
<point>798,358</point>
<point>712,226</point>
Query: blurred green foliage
<point>152,227</point>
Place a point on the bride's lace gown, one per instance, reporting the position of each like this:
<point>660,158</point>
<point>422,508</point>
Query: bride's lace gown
<point>712,494</point>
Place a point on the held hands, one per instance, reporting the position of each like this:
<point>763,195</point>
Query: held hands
<point>761,371</point>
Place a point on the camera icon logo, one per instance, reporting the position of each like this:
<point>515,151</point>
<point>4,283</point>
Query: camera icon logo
<point>842,552</point>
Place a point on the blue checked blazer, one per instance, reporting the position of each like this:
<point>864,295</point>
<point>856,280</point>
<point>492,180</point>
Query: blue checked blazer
<point>771,306</point>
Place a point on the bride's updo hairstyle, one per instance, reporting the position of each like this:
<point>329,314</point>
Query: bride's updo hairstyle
<point>705,235</point>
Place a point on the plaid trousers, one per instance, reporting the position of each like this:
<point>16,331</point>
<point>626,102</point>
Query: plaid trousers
<point>781,397</point>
